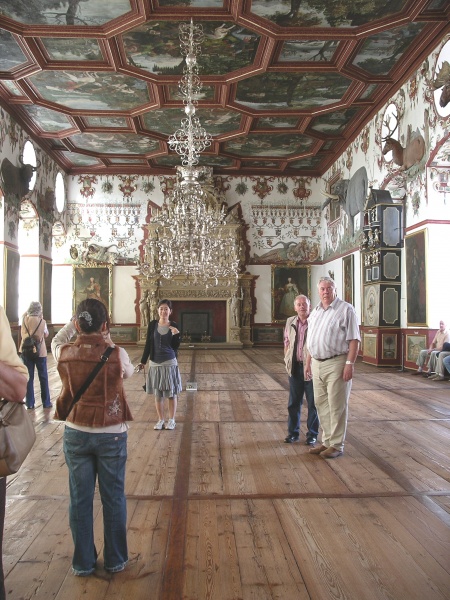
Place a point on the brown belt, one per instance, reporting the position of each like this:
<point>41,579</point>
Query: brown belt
<point>329,358</point>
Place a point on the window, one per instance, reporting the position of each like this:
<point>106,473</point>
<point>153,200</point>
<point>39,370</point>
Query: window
<point>60,193</point>
<point>29,158</point>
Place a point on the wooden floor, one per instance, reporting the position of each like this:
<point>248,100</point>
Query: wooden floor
<point>220,508</point>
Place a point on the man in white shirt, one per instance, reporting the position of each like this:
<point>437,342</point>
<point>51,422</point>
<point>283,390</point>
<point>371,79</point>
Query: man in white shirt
<point>333,342</point>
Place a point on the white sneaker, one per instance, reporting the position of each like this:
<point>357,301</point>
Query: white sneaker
<point>171,424</point>
<point>159,424</point>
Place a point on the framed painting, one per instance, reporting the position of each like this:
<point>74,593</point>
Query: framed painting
<point>416,279</point>
<point>389,344</point>
<point>46,289</point>
<point>370,345</point>
<point>11,290</point>
<point>347,279</point>
<point>287,283</point>
<point>92,282</point>
<point>414,344</point>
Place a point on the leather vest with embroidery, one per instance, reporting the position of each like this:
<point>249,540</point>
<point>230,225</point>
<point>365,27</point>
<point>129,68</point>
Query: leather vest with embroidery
<point>104,402</point>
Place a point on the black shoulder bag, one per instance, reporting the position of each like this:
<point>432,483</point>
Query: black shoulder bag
<point>92,375</point>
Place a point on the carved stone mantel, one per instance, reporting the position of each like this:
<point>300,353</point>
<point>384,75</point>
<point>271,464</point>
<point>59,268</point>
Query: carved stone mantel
<point>237,328</point>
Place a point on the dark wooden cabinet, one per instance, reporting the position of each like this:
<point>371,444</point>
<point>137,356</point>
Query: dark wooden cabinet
<point>381,256</point>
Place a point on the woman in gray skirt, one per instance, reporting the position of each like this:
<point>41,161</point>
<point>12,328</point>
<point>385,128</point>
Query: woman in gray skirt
<point>163,380</point>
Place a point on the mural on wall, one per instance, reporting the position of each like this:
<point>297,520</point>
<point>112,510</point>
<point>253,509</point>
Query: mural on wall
<point>416,279</point>
<point>281,233</point>
<point>287,283</point>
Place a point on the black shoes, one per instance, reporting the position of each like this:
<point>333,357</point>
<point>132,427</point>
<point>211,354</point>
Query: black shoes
<point>310,441</point>
<point>290,439</point>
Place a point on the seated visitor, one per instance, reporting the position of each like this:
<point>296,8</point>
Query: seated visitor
<point>441,365</point>
<point>429,355</point>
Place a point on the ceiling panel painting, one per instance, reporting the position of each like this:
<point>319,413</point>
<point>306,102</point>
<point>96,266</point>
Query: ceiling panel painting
<point>91,90</point>
<point>106,122</point>
<point>126,161</point>
<point>81,160</point>
<point>324,13</point>
<point>279,145</point>
<point>12,88</point>
<point>154,47</point>
<point>114,143</point>
<point>308,50</point>
<point>284,122</point>
<point>380,52</point>
<point>215,120</point>
<point>48,120</point>
<point>11,54</point>
<point>293,91</point>
<point>286,84</point>
<point>310,162</point>
<point>65,12</point>
<point>72,49</point>
<point>333,123</point>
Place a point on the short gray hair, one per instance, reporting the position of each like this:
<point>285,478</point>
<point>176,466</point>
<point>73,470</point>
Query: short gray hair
<point>35,309</point>
<point>327,279</point>
<point>302,296</point>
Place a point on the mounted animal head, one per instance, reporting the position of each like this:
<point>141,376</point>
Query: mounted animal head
<point>404,157</point>
<point>442,80</point>
<point>17,179</point>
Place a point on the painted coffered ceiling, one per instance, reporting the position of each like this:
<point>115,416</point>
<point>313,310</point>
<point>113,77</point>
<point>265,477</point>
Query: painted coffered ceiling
<point>287,84</point>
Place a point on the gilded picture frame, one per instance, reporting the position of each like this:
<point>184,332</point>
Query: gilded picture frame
<point>287,283</point>
<point>348,279</point>
<point>93,282</point>
<point>416,279</point>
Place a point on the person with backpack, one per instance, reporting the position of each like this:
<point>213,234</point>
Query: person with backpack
<point>33,352</point>
<point>93,404</point>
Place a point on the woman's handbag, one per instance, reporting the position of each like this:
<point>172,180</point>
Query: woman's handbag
<point>17,436</point>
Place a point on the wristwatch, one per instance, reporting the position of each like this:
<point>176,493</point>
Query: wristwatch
<point>349,362</point>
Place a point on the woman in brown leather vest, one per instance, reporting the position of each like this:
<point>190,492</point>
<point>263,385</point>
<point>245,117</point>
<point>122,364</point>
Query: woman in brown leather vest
<point>95,436</point>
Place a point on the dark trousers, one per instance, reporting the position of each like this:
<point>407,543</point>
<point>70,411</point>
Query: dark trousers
<point>41,366</point>
<point>298,388</point>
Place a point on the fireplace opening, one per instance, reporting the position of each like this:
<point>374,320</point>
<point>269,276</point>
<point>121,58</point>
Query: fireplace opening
<point>201,321</point>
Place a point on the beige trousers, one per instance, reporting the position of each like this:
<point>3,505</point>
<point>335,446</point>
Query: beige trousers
<point>331,394</point>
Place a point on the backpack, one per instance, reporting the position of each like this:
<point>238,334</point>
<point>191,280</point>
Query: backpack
<point>30,346</point>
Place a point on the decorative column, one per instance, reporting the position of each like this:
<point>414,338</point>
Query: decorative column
<point>247,283</point>
<point>147,304</point>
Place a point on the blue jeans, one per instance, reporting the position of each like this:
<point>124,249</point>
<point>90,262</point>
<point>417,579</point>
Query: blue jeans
<point>297,388</point>
<point>89,455</point>
<point>41,366</point>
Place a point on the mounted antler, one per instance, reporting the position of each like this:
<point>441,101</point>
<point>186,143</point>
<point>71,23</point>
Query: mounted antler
<point>386,123</point>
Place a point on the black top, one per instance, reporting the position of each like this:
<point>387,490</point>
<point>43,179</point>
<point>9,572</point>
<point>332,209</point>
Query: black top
<point>149,348</point>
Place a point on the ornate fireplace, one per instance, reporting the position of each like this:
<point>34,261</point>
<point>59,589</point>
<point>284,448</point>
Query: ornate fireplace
<point>219,314</point>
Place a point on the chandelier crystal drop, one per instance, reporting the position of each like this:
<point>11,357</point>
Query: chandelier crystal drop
<point>191,236</point>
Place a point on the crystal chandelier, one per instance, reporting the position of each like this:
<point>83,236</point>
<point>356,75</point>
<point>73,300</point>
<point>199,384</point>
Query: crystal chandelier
<point>189,236</point>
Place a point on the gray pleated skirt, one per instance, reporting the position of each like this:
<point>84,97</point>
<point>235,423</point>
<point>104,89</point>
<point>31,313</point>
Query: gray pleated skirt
<point>164,380</point>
